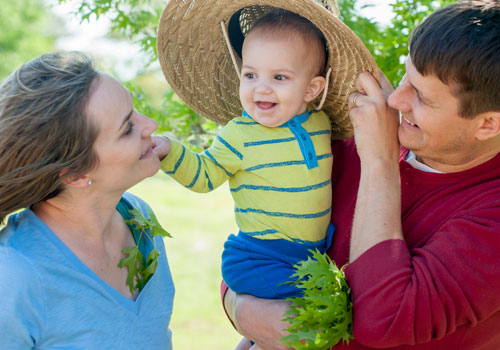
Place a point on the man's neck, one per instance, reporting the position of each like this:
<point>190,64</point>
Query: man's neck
<point>458,166</point>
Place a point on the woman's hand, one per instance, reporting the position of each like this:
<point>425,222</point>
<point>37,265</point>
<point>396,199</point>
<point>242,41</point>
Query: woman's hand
<point>260,320</point>
<point>375,122</point>
<point>161,146</point>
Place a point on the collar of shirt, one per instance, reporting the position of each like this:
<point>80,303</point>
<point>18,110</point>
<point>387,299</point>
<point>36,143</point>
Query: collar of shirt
<point>411,159</point>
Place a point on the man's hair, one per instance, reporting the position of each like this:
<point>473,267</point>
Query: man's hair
<point>279,21</point>
<point>460,44</point>
<point>45,134</point>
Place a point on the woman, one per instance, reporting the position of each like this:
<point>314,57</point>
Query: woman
<point>71,144</point>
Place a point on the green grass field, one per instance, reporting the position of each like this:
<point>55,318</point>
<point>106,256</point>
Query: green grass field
<point>199,224</point>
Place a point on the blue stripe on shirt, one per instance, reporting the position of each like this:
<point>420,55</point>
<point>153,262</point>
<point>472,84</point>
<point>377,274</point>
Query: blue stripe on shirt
<point>278,164</point>
<point>217,163</point>
<point>179,161</point>
<point>246,123</point>
<point>260,233</point>
<point>210,185</point>
<point>281,189</point>
<point>265,142</point>
<point>320,132</point>
<point>229,147</point>
<point>286,215</point>
<point>197,172</point>
<point>288,139</point>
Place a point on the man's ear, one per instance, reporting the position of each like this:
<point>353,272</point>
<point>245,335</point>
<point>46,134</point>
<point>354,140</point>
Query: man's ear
<point>73,181</point>
<point>316,85</point>
<point>489,126</point>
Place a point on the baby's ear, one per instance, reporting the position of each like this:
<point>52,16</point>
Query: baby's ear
<point>316,85</point>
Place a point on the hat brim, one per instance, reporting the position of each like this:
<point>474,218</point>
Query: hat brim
<point>196,62</point>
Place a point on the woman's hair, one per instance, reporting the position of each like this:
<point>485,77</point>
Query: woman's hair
<point>45,135</point>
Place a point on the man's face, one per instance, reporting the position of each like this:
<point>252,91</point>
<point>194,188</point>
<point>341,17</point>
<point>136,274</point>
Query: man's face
<point>431,126</point>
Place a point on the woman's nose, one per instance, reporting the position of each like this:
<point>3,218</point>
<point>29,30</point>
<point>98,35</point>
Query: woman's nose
<point>149,126</point>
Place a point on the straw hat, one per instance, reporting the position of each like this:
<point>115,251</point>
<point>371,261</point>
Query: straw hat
<point>198,64</point>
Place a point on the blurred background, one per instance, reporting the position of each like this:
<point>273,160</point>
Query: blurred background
<point>121,36</point>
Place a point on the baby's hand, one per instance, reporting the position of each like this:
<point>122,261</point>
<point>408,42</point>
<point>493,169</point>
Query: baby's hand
<point>161,146</point>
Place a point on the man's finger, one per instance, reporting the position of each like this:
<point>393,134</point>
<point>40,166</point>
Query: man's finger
<point>355,100</point>
<point>369,85</point>
<point>385,84</point>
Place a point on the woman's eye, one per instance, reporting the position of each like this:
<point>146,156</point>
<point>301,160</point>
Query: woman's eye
<point>280,77</point>
<point>130,127</point>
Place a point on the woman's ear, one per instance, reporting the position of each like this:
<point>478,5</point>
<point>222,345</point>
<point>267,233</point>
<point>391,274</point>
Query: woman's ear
<point>489,126</point>
<point>74,181</point>
<point>316,85</point>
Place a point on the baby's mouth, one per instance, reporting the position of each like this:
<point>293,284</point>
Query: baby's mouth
<point>265,105</point>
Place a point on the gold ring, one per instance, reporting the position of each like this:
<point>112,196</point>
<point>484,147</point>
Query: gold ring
<point>355,98</point>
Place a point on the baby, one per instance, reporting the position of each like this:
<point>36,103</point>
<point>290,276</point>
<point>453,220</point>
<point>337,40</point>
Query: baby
<point>276,157</point>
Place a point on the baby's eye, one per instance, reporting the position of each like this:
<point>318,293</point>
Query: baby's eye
<point>280,77</point>
<point>249,75</point>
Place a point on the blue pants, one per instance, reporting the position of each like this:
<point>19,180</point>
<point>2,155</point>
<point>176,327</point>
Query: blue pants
<point>261,267</point>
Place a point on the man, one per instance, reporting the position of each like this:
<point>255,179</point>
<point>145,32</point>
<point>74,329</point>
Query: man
<point>418,225</point>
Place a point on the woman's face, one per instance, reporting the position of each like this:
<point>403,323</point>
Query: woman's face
<point>123,145</point>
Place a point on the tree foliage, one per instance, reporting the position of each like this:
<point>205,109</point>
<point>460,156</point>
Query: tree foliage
<point>136,20</point>
<point>24,33</point>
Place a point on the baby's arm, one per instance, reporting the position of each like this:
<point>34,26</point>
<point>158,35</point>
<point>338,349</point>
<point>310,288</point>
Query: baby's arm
<point>205,171</point>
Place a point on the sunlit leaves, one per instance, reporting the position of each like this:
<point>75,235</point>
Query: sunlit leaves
<point>323,315</point>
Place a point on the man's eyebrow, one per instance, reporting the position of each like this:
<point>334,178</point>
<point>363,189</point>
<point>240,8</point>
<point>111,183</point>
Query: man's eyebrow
<point>423,98</point>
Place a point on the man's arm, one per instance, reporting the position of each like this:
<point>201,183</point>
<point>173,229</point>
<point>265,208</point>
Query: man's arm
<point>377,215</point>
<point>257,319</point>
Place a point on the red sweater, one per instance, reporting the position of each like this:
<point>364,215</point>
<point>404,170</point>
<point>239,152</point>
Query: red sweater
<point>439,288</point>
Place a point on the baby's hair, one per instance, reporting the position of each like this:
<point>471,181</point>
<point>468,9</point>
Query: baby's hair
<point>279,21</point>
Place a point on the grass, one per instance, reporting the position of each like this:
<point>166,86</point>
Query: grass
<point>199,224</point>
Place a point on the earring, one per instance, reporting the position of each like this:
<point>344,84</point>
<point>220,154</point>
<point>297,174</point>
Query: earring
<point>89,182</point>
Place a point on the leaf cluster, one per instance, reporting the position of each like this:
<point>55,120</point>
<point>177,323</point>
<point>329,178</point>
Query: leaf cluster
<point>140,270</point>
<point>389,43</point>
<point>323,315</point>
<point>135,20</point>
<point>27,29</point>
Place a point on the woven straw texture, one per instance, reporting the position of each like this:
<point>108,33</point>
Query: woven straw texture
<point>198,67</point>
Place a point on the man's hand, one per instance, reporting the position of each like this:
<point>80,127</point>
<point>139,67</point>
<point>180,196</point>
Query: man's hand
<point>260,320</point>
<point>161,146</point>
<point>375,123</point>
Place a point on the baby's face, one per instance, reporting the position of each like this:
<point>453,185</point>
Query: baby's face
<point>275,77</point>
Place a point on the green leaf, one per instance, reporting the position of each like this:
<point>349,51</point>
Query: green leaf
<point>140,271</point>
<point>323,315</point>
<point>133,261</point>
